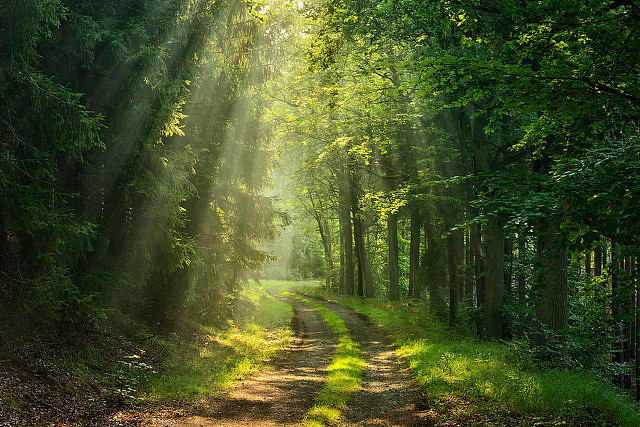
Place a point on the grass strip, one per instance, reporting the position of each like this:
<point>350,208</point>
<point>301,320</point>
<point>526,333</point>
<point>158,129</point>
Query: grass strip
<point>452,366</point>
<point>345,372</point>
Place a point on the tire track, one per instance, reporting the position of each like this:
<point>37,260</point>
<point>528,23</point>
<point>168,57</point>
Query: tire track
<point>387,397</point>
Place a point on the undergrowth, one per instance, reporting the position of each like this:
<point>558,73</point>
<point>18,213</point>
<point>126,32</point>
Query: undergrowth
<point>450,365</point>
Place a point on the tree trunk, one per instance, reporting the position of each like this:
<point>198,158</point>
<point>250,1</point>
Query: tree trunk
<point>414,251</point>
<point>433,266</point>
<point>628,343</point>
<point>522,278</point>
<point>551,304</point>
<point>478,271</point>
<point>494,281</point>
<point>392,240</point>
<point>346,231</point>
<point>508,280</point>
<point>365,281</point>
<point>617,348</point>
<point>454,255</point>
<point>597,261</point>
<point>325,236</point>
<point>328,253</point>
<point>508,271</point>
<point>468,279</point>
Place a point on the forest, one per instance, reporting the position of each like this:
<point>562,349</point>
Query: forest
<point>476,159</point>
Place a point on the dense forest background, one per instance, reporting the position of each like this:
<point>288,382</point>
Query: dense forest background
<point>482,154</point>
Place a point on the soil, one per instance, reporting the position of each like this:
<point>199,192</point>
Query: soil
<point>387,397</point>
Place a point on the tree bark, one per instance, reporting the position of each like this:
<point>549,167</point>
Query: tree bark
<point>454,255</point>
<point>433,266</point>
<point>468,279</point>
<point>617,348</point>
<point>597,258</point>
<point>493,321</point>
<point>325,236</point>
<point>346,231</point>
<point>414,251</point>
<point>392,240</point>
<point>522,278</point>
<point>478,271</point>
<point>551,304</point>
<point>365,281</point>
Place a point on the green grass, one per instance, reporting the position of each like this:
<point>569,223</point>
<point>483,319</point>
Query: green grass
<point>344,373</point>
<point>219,358</point>
<point>447,364</point>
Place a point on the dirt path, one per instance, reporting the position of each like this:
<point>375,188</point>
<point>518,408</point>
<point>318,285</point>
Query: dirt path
<point>386,398</point>
<point>282,394</point>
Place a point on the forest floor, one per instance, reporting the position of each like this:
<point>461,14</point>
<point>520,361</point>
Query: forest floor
<point>283,393</point>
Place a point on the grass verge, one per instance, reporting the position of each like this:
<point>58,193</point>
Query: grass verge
<point>214,359</point>
<point>474,381</point>
<point>345,372</point>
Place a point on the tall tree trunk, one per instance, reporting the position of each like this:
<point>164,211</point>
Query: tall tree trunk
<point>587,265</point>
<point>454,255</point>
<point>392,240</point>
<point>468,263</point>
<point>343,287</point>
<point>433,266</point>
<point>522,278</point>
<point>597,261</point>
<point>634,262</point>
<point>478,271</point>
<point>328,252</point>
<point>365,281</point>
<point>346,231</point>
<point>551,304</point>
<point>508,280</point>
<point>508,270</point>
<point>617,348</point>
<point>325,236</point>
<point>494,281</point>
<point>414,251</point>
<point>628,302</point>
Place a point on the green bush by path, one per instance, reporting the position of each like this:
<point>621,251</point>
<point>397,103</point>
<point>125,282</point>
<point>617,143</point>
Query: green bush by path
<point>447,363</point>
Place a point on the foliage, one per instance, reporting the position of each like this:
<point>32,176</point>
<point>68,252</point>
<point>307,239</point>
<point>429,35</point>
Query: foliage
<point>118,167</point>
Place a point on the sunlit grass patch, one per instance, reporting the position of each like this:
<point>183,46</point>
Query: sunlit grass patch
<point>447,363</point>
<point>219,358</point>
<point>344,373</point>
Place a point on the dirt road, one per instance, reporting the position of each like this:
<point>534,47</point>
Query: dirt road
<point>282,394</point>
